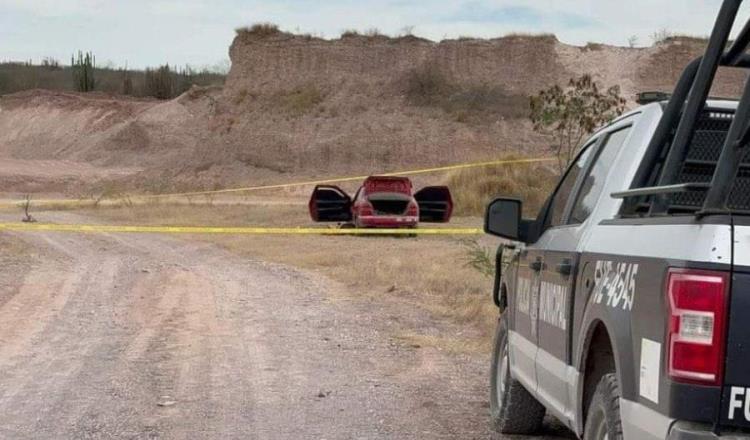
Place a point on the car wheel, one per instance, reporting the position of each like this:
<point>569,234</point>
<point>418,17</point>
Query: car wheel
<point>513,409</point>
<point>603,418</point>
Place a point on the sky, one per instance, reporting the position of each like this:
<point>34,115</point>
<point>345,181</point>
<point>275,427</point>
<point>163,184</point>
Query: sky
<point>141,33</point>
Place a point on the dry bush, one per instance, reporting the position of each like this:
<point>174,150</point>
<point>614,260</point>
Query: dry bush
<point>541,35</point>
<point>487,99</point>
<point>302,99</point>
<point>474,189</point>
<point>591,46</point>
<point>259,30</point>
<point>429,86</point>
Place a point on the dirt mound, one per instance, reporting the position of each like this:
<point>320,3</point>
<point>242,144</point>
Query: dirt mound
<point>295,106</point>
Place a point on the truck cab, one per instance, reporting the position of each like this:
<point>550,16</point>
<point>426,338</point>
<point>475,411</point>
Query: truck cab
<point>624,301</point>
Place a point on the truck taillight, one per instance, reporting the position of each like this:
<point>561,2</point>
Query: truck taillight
<point>697,325</point>
<point>413,209</point>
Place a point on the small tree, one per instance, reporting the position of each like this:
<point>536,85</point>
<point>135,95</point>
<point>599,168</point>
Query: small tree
<point>568,115</point>
<point>662,35</point>
<point>83,71</point>
<point>27,218</point>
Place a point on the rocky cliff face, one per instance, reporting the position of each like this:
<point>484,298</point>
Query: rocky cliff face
<point>296,106</point>
<point>520,64</point>
<point>282,61</point>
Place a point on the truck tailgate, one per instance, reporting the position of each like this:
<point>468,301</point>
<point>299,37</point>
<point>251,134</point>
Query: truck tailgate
<point>735,409</point>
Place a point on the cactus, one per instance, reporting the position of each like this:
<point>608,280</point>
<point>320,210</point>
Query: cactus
<point>83,71</point>
<point>127,82</point>
<point>159,83</point>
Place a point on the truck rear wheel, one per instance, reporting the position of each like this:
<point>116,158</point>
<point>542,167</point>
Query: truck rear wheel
<point>513,409</point>
<point>603,418</point>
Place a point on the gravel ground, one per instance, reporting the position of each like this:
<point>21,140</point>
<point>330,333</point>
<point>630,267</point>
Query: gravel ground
<point>144,336</point>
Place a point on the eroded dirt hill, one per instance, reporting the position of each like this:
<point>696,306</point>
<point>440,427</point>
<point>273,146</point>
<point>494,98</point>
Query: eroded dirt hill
<point>300,106</point>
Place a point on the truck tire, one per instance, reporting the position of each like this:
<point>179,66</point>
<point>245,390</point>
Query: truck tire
<point>603,418</point>
<point>513,409</point>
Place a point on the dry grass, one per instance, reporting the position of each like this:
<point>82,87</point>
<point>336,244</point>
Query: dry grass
<point>426,273</point>
<point>203,213</point>
<point>473,189</point>
<point>450,344</point>
<point>422,273</point>
<point>13,249</point>
<point>17,259</point>
<point>259,30</point>
<point>541,35</point>
<point>429,86</point>
<point>302,99</point>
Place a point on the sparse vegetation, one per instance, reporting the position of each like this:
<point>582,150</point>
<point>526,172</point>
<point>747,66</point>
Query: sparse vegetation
<point>662,35</point>
<point>407,31</point>
<point>51,63</point>
<point>27,217</point>
<point>428,86</point>
<point>83,71</point>
<point>17,77</point>
<point>479,258</point>
<point>591,46</point>
<point>454,292</point>
<point>127,83</point>
<point>302,99</point>
<point>159,82</point>
<point>541,35</point>
<point>568,115</point>
<point>474,189</point>
<point>259,30</point>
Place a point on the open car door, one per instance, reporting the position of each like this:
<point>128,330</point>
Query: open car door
<point>435,204</point>
<point>330,204</point>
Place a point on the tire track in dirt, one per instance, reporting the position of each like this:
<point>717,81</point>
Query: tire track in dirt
<point>142,336</point>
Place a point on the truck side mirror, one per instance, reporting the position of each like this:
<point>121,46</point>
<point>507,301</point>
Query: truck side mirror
<point>503,219</point>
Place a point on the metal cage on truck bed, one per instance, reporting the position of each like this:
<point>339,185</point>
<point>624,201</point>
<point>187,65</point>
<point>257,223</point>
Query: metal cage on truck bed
<point>697,161</point>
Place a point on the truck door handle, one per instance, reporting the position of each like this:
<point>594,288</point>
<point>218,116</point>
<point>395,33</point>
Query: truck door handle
<point>565,268</point>
<point>537,265</point>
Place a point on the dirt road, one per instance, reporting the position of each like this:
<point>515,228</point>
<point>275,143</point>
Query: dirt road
<point>142,336</point>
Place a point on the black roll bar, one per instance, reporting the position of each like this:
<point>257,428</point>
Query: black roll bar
<point>696,102</point>
<point>679,121</point>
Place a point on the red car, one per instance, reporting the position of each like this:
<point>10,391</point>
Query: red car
<point>382,202</point>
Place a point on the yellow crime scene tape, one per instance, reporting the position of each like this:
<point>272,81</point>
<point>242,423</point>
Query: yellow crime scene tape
<point>51,227</point>
<point>82,228</point>
<point>74,202</point>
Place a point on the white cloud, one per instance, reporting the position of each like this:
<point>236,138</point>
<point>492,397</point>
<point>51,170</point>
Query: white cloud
<point>144,32</point>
